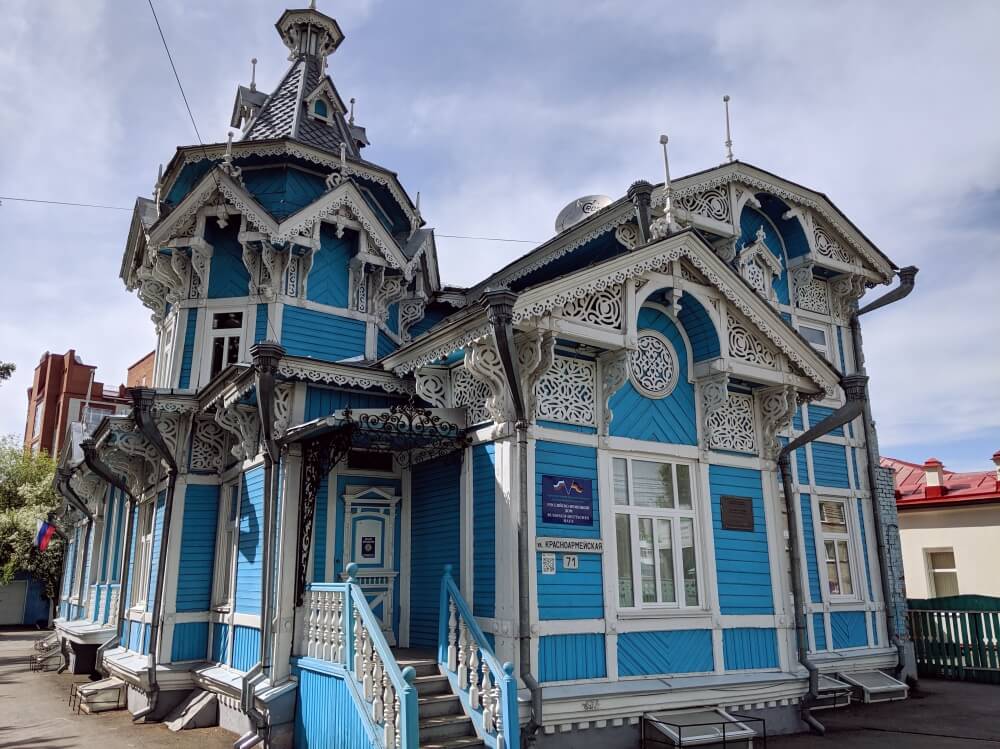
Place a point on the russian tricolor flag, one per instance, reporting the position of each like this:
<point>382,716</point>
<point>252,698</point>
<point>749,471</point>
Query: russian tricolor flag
<point>44,535</point>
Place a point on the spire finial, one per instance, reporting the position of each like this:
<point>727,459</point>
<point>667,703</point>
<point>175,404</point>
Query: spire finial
<point>253,74</point>
<point>665,226</point>
<point>729,136</point>
<point>312,4</point>
<point>351,120</point>
<point>343,154</point>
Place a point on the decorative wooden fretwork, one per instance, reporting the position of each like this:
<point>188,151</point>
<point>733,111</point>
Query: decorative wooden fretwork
<point>777,406</point>
<point>433,384</point>
<point>813,296</point>
<point>628,236</point>
<point>712,203</point>
<point>243,423</point>
<point>470,393</point>
<point>614,372</point>
<point>845,291</point>
<point>759,267</point>
<point>535,356</point>
<point>653,365</point>
<point>208,446</point>
<point>567,392</point>
<point>731,426</point>
<point>746,346</point>
<point>827,246</point>
<point>603,308</point>
<point>282,407</point>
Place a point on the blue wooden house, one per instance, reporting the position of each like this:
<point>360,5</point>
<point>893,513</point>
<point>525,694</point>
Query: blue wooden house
<point>629,475</point>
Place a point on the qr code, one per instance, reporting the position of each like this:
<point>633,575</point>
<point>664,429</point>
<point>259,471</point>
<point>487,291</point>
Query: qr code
<point>548,564</point>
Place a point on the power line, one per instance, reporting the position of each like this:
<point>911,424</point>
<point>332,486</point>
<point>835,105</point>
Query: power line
<point>122,208</point>
<point>176,76</point>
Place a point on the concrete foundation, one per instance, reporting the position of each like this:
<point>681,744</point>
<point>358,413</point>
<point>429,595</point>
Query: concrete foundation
<point>81,659</point>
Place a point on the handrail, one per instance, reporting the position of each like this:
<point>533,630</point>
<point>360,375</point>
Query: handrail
<point>487,689</point>
<point>341,628</point>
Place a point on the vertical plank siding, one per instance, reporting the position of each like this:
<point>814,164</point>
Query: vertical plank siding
<point>246,647</point>
<point>569,657</point>
<point>484,519</point>
<point>190,641</point>
<point>249,548</point>
<point>809,541</point>
<point>749,648</point>
<point>187,354</point>
<point>154,559</point>
<point>220,643</point>
<point>819,631</point>
<point>327,715</point>
<point>197,553</point>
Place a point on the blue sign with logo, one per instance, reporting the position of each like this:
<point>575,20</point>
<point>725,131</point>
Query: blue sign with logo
<point>567,500</point>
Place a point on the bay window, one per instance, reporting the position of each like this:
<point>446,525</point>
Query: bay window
<point>143,555</point>
<point>836,547</point>
<point>655,534</point>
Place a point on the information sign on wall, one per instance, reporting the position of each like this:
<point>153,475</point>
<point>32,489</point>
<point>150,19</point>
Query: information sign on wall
<point>567,500</point>
<point>737,513</point>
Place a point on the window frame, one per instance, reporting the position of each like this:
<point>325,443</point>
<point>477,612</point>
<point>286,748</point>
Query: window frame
<point>847,538</point>
<point>210,334</point>
<point>675,514</point>
<point>826,351</point>
<point>142,561</point>
<point>227,538</point>
<point>930,570</point>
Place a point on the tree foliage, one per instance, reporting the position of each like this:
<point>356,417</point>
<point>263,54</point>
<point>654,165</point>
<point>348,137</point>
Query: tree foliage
<point>27,496</point>
<point>6,370</point>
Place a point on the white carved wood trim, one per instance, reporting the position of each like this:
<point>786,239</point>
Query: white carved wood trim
<point>567,392</point>
<point>614,371</point>
<point>777,407</point>
<point>731,426</point>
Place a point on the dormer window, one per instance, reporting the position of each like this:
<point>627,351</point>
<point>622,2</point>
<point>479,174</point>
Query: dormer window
<point>320,109</point>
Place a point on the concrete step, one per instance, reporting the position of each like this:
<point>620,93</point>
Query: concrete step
<point>200,709</point>
<point>428,685</point>
<point>439,704</point>
<point>445,727</point>
<point>101,696</point>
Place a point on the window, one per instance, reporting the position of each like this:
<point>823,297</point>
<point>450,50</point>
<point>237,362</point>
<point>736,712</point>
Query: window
<point>942,572</point>
<point>655,534</point>
<point>92,416</point>
<point>320,109</point>
<point>143,554</point>
<point>817,338</point>
<point>225,552</point>
<point>836,546</point>
<point>36,428</point>
<point>224,340</point>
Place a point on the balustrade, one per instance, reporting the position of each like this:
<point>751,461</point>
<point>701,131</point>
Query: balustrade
<point>488,690</point>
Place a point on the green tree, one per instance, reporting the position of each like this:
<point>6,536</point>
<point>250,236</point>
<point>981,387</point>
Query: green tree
<point>27,496</point>
<point>6,370</point>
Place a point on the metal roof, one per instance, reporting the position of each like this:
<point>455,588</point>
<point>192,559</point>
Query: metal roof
<point>959,488</point>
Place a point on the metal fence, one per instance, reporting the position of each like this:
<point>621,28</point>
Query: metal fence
<point>957,637</point>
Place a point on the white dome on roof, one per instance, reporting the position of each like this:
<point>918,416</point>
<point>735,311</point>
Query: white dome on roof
<point>580,209</point>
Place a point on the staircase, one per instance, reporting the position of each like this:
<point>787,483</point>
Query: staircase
<point>443,722</point>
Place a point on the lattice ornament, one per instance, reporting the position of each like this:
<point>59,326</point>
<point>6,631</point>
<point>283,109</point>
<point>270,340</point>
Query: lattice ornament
<point>745,345</point>
<point>712,203</point>
<point>653,365</point>
<point>604,308</point>
<point>470,393</point>
<point>567,392</point>
<point>813,296</point>
<point>731,426</point>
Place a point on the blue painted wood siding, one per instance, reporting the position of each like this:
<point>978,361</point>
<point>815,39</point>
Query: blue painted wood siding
<point>282,191</point>
<point>743,570</point>
<point>248,558</point>
<point>260,332</point>
<point>671,419</point>
<point>154,557</point>
<point>671,652</point>
<point>384,345</point>
<point>306,332</point>
<point>849,629</point>
<point>435,533</point>
<point>568,594</point>
<point>246,647</point>
<point>819,632</point>
<point>327,714</point>
<point>830,464</point>
<point>809,542</point>
<point>197,554</point>
<point>750,648</point>
<point>131,557</point>
<point>864,547</point>
<point>322,401</point>
<point>190,642</point>
<point>329,278</point>
<point>818,413</point>
<point>569,657</point>
<point>484,523</point>
<point>700,330</point>
<point>220,643</point>
<point>227,275</point>
<point>187,353</point>
<point>320,530</point>
<point>750,221</point>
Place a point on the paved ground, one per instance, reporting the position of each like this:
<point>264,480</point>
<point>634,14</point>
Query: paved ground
<point>34,713</point>
<point>940,714</point>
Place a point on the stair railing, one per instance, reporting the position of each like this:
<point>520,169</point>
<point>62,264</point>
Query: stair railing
<point>341,628</point>
<point>487,688</point>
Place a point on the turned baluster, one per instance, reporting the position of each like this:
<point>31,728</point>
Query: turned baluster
<point>474,675</point>
<point>325,608</point>
<point>487,692</point>
<point>378,704</point>
<point>389,709</point>
<point>359,639</point>
<point>399,718</point>
<point>498,716</point>
<point>311,636</point>
<point>452,637</point>
<point>367,666</point>
<point>338,630</point>
<point>463,644</point>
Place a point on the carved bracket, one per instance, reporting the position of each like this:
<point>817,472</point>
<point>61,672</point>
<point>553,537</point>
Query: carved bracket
<point>433,384</point>
<point>483,362</point>
<point>535,354</point>
<point>387,289</point>
<point>242,422</point>
<point>282,408</point>
<point>411,311</point>
<point>845,291</point>
<point>208,446</point>
<point>777,407</point>
<point>613,368</point>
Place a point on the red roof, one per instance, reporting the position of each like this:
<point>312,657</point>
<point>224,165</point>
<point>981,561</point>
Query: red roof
<point>912,491</point>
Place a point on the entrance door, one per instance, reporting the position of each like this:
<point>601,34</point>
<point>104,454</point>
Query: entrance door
<point>12,598</point>
<point>370,541</point>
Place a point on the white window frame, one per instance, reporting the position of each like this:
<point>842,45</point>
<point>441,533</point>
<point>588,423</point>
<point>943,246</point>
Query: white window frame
<point>209,335</point>
<point>77,588</point>
<point>675,514</point>
<point>826,350</point>
<point>847,538</point>
<point>142,565</point>
<point>227,541</point>
<point>930,569</point>
<point>164,359</point>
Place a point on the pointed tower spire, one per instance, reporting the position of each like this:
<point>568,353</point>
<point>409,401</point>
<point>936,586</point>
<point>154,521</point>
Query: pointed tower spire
<point>308,32</point>
<point>729,136</point>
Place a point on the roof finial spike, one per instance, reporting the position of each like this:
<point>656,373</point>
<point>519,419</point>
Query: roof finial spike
<point>665,226</point>
<point>351,120</point>
<point>729,135</point>
<point>253,74</point>
<point>229,147</point>
<point>312,4</point>
<point>343,154</point>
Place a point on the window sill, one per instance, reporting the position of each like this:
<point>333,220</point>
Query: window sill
<point>663,613</point>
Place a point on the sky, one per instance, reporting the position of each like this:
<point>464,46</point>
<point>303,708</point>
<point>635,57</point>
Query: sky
<point>500,114</point>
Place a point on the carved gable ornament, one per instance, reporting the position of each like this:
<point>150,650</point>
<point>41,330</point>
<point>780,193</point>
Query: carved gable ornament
<point>759,267</point>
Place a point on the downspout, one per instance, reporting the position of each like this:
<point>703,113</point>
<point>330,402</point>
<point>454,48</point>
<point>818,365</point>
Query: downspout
<point>907,279</point>
<point>854,390</point>
<point>142,412</point>
<point>99,468</point>
<point>499,304</point>
<point>266,356</point>
<point>73,499</point>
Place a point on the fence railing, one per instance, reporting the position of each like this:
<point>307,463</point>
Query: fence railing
<point>341,628</point>
<point>957,637</point>
<point>487,688</point>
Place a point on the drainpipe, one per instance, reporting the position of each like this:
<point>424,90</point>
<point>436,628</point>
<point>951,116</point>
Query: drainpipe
<point>99,468</point>
<point>266,356</point>
<point>907,279</point>
<point>854,390</point>
<point>499,304</point>
<point>142,412</point>
<point>62,486</point>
